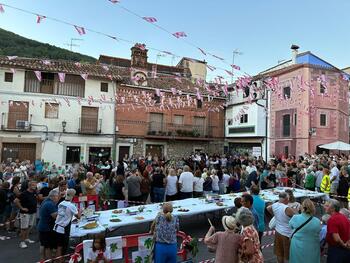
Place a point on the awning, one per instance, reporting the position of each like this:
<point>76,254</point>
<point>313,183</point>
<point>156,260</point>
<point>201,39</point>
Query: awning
<point>245,140</point>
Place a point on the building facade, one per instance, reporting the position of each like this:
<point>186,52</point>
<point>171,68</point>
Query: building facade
<point>308,105</point>
<point>245,129</point>
<point>162,111</point>
<point>65,117</point>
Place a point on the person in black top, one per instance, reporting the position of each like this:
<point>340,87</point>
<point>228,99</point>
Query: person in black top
<point>27,202</point>
<point>158,183</point>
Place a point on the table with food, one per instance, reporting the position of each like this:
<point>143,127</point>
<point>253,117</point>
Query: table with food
<point>100,221</point>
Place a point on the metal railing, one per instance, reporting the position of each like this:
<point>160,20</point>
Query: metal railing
<point>90,125</point>
<point>16,121</point>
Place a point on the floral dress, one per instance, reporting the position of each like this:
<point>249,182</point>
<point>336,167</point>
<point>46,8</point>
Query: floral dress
<point>249,233</point>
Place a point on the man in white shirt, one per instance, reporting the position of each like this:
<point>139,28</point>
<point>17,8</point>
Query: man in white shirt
<point>65,213</point>
<point>251,167</point>
<point>226,179</point>
<point>334,178</point>
<point>186,183</point>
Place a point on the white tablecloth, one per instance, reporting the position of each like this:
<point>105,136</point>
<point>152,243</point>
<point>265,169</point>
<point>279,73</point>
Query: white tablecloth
<point>195,205</point>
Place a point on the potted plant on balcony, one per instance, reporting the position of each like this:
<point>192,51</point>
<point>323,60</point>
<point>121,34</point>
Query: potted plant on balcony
<point>179,132</point>
<point>196,133</point>
<point>170,133</point>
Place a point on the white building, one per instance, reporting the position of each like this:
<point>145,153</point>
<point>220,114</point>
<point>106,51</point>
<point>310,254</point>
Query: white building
<point>245,125</point>
<point>60,122</point>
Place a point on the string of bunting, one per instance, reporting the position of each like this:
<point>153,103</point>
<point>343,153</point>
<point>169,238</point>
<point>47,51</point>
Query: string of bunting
<point>82,30</point>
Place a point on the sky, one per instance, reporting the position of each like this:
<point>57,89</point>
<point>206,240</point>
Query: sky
<point>262,30</point>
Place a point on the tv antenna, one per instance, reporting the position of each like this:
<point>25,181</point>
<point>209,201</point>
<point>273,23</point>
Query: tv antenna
<point>235,53</point>
<point>71,44</point>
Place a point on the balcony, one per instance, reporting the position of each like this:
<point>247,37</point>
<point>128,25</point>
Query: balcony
<point>16,121</point>
<point>157,129</point>
<point>90,125</point>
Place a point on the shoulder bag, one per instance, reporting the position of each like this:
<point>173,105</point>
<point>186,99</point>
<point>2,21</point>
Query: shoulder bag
<point>301,226</point>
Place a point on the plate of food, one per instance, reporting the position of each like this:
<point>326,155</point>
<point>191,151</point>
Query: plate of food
<point>90,225</point>
<point>219,203</point>
<point>139,217</point>
<point>117,211</point>
<point>115,220</point>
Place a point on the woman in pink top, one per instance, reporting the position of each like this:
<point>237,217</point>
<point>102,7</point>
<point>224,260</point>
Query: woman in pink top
<point>226,243</point>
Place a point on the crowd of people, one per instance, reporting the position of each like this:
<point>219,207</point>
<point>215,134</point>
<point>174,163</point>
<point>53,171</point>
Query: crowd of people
<point>40,194</point>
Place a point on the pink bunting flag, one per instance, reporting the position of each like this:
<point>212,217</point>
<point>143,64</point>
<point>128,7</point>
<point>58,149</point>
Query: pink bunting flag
<point>46,62</point>
<point>180,92</point>
<point>179,34</point>
<point>2,10</point>
<point>211,68</point>
<point>38,75</point>
<point>80,30</point>
<point>229,72</point>
<point>39,18</point>
<point>235,67</point>
<point>77,64</point>
<point>11,57</point>
<point>110,76</point>
<point>61,77</point>
<point>178,79</point>
<point>158,92</point>
<point>13,70</point>
<point>173,90</point>
<point>106,68</point>
<point>84,76</point>
<point>150,19</point>
<point>114,1</point>
<point>202,51</point>
<point>225,89</point>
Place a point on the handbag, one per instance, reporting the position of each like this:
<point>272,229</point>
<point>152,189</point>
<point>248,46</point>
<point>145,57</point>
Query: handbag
<point>301,226</point>
<point>272,223</point>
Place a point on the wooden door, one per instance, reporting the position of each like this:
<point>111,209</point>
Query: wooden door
<point>18,111</point>
<point>123,150</point>
<point>89,119</point>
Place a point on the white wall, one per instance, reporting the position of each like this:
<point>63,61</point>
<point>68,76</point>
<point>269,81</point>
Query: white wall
<point>256,117</point>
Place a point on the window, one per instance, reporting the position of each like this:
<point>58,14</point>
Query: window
<point>323,120</point>
<point>8,77</point>
<point>295,119</point>
<point>51,110</point>
<point>286,125</point>
<point>286,92</point>
<point>104,87</point>
<point>244,118</point>
<point>179,119</point>
<point>322,89</point>
<point>72,154</point>
<point>199,104</point>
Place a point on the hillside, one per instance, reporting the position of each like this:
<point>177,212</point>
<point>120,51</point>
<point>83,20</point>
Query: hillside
<point>14,45</point>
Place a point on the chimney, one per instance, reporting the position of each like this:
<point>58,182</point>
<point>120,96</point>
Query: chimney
<point>294,49</point>
<point>139,56</point>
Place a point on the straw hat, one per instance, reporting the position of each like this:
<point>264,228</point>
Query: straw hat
<point>229,223</point>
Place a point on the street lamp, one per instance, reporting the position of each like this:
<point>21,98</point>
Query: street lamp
<point>64,124</point>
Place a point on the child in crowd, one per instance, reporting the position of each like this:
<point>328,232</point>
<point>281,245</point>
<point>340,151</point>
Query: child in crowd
<point>323,233</point>
<point>99,252</point>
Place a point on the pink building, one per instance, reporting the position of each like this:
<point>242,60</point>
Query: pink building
<point>308,105</point>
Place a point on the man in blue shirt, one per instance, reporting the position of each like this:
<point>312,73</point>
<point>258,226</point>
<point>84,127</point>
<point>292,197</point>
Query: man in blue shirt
<point>48,213</point>
<point>247,201</point>
<point>259,206</point>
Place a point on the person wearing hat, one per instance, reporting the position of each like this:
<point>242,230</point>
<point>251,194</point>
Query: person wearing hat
<point>226,243</point>
<point>65,213</point>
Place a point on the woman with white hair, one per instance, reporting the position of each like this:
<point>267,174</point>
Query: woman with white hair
<point>226,243</point>
<point>250,245</point>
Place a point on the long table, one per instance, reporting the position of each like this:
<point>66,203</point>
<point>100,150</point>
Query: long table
<point>194,205</point>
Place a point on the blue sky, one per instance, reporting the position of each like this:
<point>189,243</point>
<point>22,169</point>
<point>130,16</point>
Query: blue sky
<point>262,30</point>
